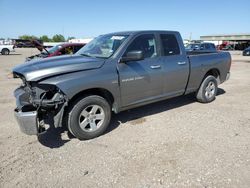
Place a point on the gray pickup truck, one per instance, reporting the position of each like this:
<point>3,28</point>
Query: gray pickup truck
<point>114,72</point>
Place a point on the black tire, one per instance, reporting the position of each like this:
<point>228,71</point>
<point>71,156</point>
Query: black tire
<point>209,84</point>
<point>5,51</point>
<point>82,106</point>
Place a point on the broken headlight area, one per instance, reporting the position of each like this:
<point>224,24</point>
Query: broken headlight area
<point>46,96</point>
<point>50,102</point>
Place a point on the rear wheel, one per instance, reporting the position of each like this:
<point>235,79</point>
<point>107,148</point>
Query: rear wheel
<point>207,90</point>
<point>89,117</point>
<point>5,51</point>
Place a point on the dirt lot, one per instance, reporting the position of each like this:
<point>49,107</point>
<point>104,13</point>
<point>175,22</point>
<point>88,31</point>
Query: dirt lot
<point>174,143</point>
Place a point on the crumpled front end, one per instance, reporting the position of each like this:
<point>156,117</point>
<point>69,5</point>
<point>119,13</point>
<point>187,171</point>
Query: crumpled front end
<point>36,105</point>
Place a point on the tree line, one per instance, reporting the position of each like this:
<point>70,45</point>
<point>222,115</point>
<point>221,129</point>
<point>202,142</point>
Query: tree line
<point>45,38</point>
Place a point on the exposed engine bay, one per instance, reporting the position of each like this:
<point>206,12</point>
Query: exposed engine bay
<point>47,102</point>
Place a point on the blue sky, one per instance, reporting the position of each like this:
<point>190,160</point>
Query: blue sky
<point>83,18</point>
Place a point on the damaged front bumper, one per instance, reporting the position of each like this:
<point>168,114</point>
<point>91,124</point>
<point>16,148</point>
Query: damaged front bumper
<point>31,112</point>
<point>25,114</point>
<point>27,121</point>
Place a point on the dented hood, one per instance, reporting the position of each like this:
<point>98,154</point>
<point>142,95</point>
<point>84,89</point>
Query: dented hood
<point>39,69</point>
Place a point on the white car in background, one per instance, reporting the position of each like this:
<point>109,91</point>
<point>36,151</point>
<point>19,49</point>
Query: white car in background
<point>5,49</point>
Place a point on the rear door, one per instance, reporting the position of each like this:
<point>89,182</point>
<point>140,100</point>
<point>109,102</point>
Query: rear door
<point>141,80</point>
<point>175,65</point>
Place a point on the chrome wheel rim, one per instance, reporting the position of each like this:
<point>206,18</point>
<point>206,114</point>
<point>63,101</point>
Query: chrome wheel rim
<point>91,118</point>
<point>210,90</point>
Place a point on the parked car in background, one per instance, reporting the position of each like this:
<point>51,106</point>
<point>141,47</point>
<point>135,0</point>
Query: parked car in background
<point>228,47</point>
<point>246,52</point>
<point>60,49</point>
<point>24,45</point>
<point>113,72</point>
<point>203,47</point>
<point>5,49</point>
<point>21,43</point>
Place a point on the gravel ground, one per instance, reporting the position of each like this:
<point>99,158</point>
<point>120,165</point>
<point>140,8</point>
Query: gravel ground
<point>173,143</point>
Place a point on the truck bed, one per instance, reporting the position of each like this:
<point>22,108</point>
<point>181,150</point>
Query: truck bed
<point>202,62</point>
<point>189,53</point>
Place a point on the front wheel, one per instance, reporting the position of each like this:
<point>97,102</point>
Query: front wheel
<point>89,117</point>
<point>5,51</point>
<point>207,90</point>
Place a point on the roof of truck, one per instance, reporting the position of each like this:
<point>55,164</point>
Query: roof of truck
<point>141,31</point>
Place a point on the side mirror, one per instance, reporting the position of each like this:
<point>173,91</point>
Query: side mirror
<point>132,56</point>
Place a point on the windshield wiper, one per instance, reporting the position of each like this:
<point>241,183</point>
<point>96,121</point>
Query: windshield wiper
<point>87,55</point>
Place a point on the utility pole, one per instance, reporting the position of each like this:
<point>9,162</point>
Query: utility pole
<point>190,37</point>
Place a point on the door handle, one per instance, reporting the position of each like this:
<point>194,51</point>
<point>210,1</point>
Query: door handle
<point>155,66</point>
<point>182,63</point>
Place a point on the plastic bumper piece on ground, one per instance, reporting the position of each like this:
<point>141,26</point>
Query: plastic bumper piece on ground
<point>228,76</point>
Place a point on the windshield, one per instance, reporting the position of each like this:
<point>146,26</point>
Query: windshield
<point>103,46</point>
<point>54,49</point>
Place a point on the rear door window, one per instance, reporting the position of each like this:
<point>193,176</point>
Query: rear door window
<point>169,44</point>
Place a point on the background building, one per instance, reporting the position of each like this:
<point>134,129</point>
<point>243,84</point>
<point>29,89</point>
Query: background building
<point>229,41</point>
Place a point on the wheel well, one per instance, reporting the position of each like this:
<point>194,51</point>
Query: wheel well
<point>95,91</point>
<point>5,49</point>
<point>213,72</point>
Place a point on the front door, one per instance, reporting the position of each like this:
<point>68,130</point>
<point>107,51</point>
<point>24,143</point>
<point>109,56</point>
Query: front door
<point>141,80</point>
